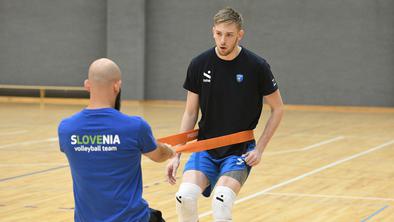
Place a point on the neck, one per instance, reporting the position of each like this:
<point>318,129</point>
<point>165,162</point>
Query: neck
<point>232,55</point>
<point>100,100</point>
<point>96,105</point>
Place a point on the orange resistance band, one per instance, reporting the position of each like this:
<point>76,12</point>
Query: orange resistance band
<point>207,144</point>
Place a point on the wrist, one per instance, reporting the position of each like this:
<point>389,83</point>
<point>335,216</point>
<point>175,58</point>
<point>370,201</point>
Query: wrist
<point>259,149</point>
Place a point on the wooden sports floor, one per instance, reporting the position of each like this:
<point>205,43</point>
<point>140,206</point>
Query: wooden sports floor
<point>323,164</point>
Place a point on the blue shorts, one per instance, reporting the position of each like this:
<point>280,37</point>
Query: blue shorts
<point>214,168</point>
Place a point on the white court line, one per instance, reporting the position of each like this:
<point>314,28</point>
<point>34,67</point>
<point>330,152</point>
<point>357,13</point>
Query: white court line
<point>31,164</point>
<point>52,139</point>
<point>13,133</point>
<point>58,195</point>
<point>306,175</point>
<point>330,196</point>
<point>305,148</point>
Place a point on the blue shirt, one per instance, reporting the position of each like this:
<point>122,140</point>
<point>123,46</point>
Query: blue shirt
<point>104,147</point>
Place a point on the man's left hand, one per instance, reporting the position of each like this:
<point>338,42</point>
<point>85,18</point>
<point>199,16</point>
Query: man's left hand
<point>252,158</point>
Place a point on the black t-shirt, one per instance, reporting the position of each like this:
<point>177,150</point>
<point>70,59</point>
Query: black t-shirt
<point>230,94</point>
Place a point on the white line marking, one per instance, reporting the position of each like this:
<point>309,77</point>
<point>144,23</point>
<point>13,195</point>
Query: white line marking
<point>330,196</point>
<point>13,133</point>
<point>306,175</point>
<point>305,148</point>
<point>52,139</point>
<point>31,164</point>
<point>58,195</point>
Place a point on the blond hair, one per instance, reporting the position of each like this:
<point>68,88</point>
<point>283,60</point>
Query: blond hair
<point>228,15</point>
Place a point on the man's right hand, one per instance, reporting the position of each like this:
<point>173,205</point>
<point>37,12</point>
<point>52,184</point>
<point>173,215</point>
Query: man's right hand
<point>162,153</point>
<point>172,168</point>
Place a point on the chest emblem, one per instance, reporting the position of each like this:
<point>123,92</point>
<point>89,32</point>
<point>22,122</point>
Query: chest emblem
<point>239,77</point>
<point>207,76</point>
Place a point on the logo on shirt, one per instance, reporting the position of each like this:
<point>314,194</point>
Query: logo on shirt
<point>273,82</point>
<point>95,143</point>
<point>239,77</point>
<point>207,76</point>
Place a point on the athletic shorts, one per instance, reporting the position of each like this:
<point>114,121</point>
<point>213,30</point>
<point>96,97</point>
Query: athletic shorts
<point>213,169</point>
<point>155,216</point>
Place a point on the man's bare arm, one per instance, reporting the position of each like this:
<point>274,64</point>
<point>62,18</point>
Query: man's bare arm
<point>274,100</point>
<point>162,153</point>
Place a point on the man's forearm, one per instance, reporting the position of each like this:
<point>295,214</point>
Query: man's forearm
<point>270,128</point>
<point>188,122</point>
<point>165,152</point>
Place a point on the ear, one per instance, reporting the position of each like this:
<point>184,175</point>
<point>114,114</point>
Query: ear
<point>213,31</point>
<point>241,34</point>
<point>117,86</point>
<point>86,84</point>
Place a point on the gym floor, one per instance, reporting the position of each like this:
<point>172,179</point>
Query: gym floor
<point>323,164</point>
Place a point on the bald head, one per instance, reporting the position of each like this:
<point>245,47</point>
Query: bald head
<point>103,83</point>
<point>104,72</point>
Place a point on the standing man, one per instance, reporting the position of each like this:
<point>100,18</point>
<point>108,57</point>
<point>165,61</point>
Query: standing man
<point>103,147</point>
<point>228,83</point>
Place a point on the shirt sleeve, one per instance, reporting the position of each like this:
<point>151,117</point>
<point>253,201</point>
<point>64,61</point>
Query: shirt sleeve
<point>146,139</point>
<point>268,82</point>
<point>61,137</point>
<point>192,82</point>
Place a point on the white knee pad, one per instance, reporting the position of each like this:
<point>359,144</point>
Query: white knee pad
<point>186,202</point>
<point>222,204</point>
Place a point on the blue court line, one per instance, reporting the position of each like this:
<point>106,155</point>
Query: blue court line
<point>375,213</point>
<point>32,173</point>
